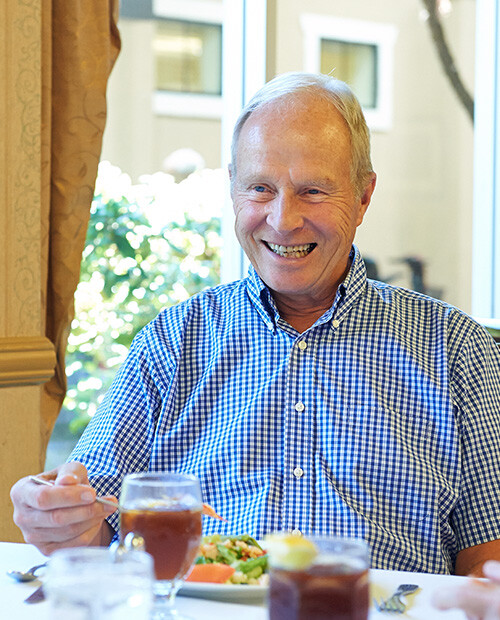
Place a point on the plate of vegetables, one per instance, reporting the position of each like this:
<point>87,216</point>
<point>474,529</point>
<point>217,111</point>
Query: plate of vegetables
<point>228,568</point>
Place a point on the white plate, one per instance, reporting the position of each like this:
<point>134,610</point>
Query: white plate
<point>223,592</point>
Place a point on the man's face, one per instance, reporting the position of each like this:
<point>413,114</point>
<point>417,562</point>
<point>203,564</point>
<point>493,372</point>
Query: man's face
<point>296,210</point>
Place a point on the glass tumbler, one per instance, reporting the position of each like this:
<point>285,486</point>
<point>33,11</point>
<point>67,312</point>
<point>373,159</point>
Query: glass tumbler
<point>89,583</point>
<point>335,586</point>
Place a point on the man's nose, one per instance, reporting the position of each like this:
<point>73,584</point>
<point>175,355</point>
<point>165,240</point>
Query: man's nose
<point>285,213</point>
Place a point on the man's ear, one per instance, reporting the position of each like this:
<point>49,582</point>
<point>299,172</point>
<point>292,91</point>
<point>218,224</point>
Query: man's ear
<point>366,198</point>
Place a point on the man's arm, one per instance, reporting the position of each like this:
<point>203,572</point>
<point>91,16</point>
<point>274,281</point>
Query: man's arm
<point>476,389</point>
<point>470,561</point>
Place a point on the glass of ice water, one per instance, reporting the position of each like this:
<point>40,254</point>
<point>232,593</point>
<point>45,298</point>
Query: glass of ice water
<point>89,583</point>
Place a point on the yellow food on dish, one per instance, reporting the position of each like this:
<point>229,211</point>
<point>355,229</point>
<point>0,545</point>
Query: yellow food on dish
<point>289,551</point>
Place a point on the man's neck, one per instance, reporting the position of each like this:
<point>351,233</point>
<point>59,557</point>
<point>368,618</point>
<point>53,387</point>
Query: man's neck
<point>302,316</point>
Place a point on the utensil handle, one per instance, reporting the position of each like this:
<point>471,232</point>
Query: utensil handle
<point>50,483</point>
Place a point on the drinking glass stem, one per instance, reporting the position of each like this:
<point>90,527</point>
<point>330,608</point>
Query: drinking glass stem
<point>164,599</point>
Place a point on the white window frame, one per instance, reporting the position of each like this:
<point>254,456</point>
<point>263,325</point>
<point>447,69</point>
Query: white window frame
<point>243,73</point>
<point>486,213</point>
<point>383,36</point>
<point>188,105</point>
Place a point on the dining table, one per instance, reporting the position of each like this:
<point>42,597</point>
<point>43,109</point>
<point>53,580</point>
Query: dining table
<point>22,556</point>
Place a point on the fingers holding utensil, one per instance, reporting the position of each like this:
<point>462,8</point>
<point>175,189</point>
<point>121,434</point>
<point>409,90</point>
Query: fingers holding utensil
<point>59,509</point>
<point>100,500</point>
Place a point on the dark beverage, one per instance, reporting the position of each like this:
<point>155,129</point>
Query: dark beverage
<point>322,592</point>
<point>172,537</point>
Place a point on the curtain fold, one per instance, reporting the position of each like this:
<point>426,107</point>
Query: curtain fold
<point>81,44</point>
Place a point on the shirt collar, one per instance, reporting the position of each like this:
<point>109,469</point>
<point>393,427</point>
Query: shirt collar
<point>353,286</point>
<point>262,299</point>
<point>348,291</point>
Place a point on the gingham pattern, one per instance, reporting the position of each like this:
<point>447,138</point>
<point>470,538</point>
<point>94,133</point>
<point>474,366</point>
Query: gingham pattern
<point>390,407</point>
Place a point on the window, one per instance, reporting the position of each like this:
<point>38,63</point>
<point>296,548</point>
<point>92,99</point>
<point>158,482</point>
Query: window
<point>186,46</point>
<point>356,63</point>
<point>357,52</point>
<point>188,57</point>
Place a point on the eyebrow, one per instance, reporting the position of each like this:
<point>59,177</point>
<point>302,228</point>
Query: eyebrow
<point>261,176</point>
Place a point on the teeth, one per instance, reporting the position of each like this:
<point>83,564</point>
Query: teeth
<point>291,251</point>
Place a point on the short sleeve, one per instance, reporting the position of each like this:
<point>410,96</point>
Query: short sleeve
<point>476,385</point>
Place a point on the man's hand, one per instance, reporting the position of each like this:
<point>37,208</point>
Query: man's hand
<point>64,515</point>
<point>478,599</point>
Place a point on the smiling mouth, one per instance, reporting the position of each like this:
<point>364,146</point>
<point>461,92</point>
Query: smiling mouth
<point>291,251</point>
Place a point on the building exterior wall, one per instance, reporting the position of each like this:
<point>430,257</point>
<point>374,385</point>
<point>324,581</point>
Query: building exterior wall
<point>136,139</point>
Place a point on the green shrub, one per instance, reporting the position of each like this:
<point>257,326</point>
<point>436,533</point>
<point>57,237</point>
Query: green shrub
<point>148,246</point>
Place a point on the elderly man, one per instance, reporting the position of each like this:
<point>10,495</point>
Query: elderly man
<point>305,397</point>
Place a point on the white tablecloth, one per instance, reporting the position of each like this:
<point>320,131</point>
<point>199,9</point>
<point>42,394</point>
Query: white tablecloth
<point>20,556</point>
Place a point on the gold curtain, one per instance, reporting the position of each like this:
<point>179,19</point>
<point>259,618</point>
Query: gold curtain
<point>80,45</point>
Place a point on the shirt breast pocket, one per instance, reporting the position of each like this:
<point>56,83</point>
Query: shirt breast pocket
<point>381,465</point>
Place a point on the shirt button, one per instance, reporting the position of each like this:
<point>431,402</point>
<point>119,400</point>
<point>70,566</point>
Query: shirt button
<point>298,472</point>
<point>335,323</point>
<point>296,532</point>
<point>300,407</point>
<point>302,345</point>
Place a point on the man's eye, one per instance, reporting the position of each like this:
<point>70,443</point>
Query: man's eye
<point>259,188</point>
<point>313,191</point>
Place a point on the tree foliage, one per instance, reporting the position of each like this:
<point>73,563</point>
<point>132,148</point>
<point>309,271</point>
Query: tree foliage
<point>148,247</point>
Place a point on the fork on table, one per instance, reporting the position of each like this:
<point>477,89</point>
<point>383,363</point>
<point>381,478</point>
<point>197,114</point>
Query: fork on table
<point>394,604</point>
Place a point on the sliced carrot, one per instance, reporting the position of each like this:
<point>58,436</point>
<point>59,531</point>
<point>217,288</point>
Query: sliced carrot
<point>211,573</point>
<point>210,512</point>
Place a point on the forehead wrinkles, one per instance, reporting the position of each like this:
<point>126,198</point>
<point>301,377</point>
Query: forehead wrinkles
<point>308,150</point>
<point>273,127</point>
<point>299,110</point>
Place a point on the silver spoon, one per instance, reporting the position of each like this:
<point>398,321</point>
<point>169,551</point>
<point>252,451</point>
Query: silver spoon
<point>29,575</point>
<point>50,483</point>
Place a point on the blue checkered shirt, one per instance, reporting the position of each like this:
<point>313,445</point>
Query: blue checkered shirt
<point>380,421</point>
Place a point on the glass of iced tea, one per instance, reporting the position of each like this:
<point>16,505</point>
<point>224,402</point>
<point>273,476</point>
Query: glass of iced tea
<point>318,578</point>
<point>165,510</point>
